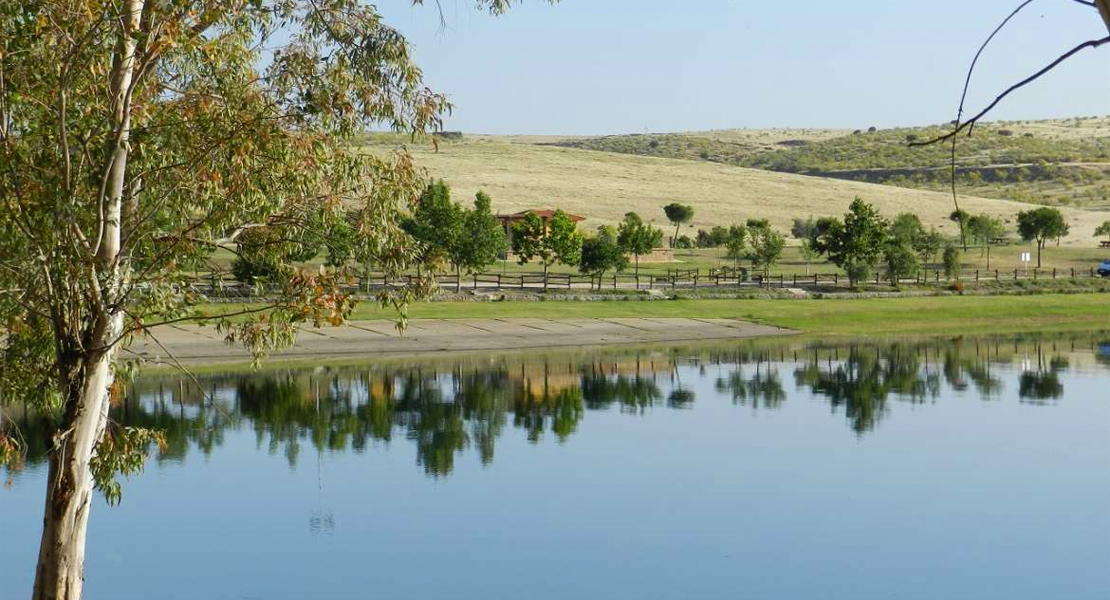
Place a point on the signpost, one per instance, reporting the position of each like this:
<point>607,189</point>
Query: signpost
<point>1026,257</point>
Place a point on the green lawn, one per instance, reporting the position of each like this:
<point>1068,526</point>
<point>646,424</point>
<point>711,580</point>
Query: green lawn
<point>949,315</point>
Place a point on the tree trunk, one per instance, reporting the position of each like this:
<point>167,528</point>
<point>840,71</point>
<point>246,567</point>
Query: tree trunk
<point>85,364</point>
<point>458,279</point>
<point>1040,246</point>
<point>988,256</point>
<point>545,267</point>
<point>1104,10</point>
<point>60,572</point>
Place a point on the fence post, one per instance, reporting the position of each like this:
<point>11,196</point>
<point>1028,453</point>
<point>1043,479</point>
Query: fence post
<point>836,280</point>
<point>976,275</point>
<point>1015,274</point>
<point>996,275</point>
<point>1053,273</point>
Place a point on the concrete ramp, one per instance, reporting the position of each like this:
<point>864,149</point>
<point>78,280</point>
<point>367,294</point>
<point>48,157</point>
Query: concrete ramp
<point>199,345</point>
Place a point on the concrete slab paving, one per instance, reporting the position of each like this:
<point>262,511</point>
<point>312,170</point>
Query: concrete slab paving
<point>196,345</point>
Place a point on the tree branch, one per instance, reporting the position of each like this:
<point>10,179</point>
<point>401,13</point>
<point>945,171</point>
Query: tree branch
<point>1028,80</point>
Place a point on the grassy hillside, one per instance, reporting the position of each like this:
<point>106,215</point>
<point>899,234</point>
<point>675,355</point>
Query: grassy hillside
<point>1059,162</point>
<point>603,186</point>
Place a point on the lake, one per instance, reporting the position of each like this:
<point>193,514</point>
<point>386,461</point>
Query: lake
<point>781,469</point>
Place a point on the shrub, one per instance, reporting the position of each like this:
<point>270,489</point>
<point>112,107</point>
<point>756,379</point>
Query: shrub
<point>951,262</point>
<point>858,272</point>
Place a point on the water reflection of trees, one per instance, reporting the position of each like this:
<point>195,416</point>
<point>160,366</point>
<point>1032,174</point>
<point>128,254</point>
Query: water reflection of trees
<point>447,411</point>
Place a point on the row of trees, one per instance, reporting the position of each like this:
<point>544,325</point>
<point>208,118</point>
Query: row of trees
<point>471,239</point>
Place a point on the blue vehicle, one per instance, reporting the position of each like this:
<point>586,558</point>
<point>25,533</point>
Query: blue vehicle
<point>1104,268</point>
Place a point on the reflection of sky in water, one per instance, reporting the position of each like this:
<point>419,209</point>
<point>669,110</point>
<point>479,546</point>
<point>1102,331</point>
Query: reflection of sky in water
<point>836,473</point>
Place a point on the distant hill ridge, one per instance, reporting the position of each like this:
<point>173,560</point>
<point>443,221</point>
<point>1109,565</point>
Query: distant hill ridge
<point>1055,162</point>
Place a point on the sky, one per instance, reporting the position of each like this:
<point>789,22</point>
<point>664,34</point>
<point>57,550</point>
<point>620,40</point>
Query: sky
<point>629,66</point>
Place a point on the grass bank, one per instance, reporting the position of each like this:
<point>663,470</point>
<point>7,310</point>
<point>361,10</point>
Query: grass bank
<point>939,315</point>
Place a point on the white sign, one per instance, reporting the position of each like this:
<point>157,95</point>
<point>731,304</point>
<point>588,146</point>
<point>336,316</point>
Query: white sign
<point>1026,257</point>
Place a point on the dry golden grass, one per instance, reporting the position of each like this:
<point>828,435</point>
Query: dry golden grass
<point>765,140</point>
<point>603,186</point>
<point>1062,129</point>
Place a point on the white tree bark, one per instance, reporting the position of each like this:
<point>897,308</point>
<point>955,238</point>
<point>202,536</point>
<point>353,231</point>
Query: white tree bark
<point>86,368</point>
<point>60,571</point>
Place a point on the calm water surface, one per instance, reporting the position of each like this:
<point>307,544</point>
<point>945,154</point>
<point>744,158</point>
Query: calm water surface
<point>915,470</point>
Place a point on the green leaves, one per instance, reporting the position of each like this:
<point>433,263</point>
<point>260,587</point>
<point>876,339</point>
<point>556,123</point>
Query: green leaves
<point>766,246</point>
<point>855,243</point>
<point>482,239</point>
<point>555,240</point>
<point>1041,224</point>
<point>122,452</point>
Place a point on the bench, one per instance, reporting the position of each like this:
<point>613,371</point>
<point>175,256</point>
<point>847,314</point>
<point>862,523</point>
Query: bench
<point>1104,244</point>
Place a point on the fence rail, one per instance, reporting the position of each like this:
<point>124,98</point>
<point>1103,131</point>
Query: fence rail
<point>673,279</point>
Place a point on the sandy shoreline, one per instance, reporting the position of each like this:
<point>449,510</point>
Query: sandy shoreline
<point>192,345</point>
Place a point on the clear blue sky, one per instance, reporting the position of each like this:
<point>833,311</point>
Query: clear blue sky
<point>620,66</point>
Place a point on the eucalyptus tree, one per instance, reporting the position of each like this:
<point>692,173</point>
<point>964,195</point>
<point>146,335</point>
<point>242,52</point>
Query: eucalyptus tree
<point>138,138</point>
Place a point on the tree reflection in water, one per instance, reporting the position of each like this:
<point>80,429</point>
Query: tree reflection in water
<point>446,411</point>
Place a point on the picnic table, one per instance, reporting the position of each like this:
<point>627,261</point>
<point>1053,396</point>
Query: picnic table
<point>1104,244</point>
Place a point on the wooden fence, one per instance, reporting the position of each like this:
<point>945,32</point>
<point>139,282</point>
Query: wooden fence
<point>674,279</point>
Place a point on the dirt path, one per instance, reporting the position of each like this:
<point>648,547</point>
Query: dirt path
<point>193,345</point>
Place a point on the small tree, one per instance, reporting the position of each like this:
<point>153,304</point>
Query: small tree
<point>961,217</point>
<point>1040,225</point>
<point>951,262</point>
<point>602,253</point>
<point>986,229</point>
<point>557,242</point>
<point>1103,229</point>
<point>766,247</point>
<point>900,260</point>
<point>928,245</point>
<point>718,236</point>
<point>481,239</point>
<point>678,214</point>
<point>856,243</point>
<point>435,224</point>
<point>803,229</point>
<point>736,241</point>
<point>636,237</point>
<point>907,228</point>
<point>809,254</point>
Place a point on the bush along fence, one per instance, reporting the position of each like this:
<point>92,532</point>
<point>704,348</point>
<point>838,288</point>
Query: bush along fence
<point>703,279</point>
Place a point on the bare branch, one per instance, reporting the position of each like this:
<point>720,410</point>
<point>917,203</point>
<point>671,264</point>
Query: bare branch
<point>972,121</point>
